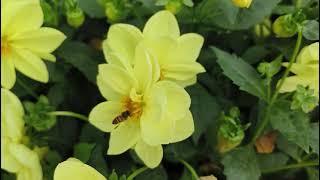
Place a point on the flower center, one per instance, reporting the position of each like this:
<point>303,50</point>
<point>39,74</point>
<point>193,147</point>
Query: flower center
<point>134,107</point>
<point>5,46</point>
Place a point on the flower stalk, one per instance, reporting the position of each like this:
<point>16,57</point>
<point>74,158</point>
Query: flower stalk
<point>69,114</point>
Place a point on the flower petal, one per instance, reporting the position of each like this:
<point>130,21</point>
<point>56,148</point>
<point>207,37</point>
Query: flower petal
<point>184,83</point>
<point>75,169</point>
<point>8,162</point>
<point>124,137</point>
<point>30,65</point>
<point>43,40</point>
<point>163,23</point>
<point>16,16</point>
<point>8,73</point>
<point>184,128</point>
<point>150,155</point>
<point>189,46</point>
<point>122,39</point>
<point>182,72</point>
<point>103,114</point>
<point>309,54</point>
<point>290,83</point>
<point>114,82</point>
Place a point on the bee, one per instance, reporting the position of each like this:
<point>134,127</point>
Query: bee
<point>122,117</point>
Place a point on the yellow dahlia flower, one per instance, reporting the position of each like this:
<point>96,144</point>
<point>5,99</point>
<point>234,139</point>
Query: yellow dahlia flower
<point>73,168</point>
<point>142,112</point>
<point>175,54</point>
<point>306,70</point>
<point>15,156</point>
<point>24,42</point>
<point>242,3</point>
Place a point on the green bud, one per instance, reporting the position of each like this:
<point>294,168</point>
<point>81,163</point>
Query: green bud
<point>304,99</point>
<point>270,69</point>
<point>284,26</point>
<point>37,114</point>
<point>50,16</point>
<point>75,18</point>
<point>174,6</point>
<point>263,29</point>
<point>234,112</point>
<point>116,12</point>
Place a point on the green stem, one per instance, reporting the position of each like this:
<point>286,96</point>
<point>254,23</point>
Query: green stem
<point>28,90</point>
<point>136,173</point>
<point>69,114</point>
<point>264,122</point>
<point>189,167</point>
<point>292,166</point>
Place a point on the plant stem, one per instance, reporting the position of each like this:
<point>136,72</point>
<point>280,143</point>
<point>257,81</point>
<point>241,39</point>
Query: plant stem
<point>136,173</point>
<point>292,166</point>
<point>28,90</point>
<point>69,114</point>
<point>264,122</point>
<point>189,167</point>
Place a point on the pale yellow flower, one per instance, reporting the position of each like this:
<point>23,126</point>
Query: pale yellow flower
<point>242,3</point>
<point>175,54</point>
<point>306,70</point>
<point>24,42</point>
<point>74,169</point>
<point>153,112</point>
<point>15,156</point>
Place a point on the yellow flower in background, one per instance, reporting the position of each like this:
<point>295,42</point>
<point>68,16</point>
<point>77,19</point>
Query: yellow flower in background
<point>73,168</point>
<point>24,42</point>
<point>15,156</point>
<point>142,112</point>
<point>306,70</point>
<point>242,3</point>
<point>175,54</point>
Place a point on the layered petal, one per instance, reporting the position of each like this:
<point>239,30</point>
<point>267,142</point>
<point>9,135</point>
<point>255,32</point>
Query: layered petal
<point>184,128</point>
<point>114,82</point>
<point>103,114</point>
<point>189,47</point>
<point>8,73</point>
<point>124,137</point>
<point>290,83</point>
<point>122,39</point>
<point>30,65</point>
<point>182,72</point>
<point>161,24</point>
<point>72,168</point>
<point>43,40</point>
<point>8,162</point>
<point>150,155</point>
<point>309,54</point>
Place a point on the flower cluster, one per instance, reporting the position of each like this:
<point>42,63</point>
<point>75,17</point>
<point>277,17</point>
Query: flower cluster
<point>143,82</point>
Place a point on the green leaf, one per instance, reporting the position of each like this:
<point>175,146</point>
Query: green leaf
<point>225,15</point>
<point>201,102</point>
<point>314,141</point>
<point>113,175</point>
<point>7,176</point>
<point>97,159</point>
<point>49,163</point>
<point>188,3</point>
<point>241,73</point>
<point>255,54</point>
<point>82,151</point>
<point>158,173</point>
<point>294,125</point>
<point>273,160</point>
<point>186,175</point>
<point>310,30</point>
<point>85,59</point>
<point>181,150</point>
<point>241,164</point>
<point>92,8</point>
<point>313,173</point>
<point>288,147</point>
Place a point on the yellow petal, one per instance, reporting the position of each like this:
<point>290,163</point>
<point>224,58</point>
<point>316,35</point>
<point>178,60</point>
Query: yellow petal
<point>184,128</point>
<point>309,54</point>
<point>75,169</point>
<point>12,123</point>
<point>304,69</point>
<point>118,59</point>
<point>182,72</point>
<point>122,39</point>
<point>8,162</point>
<point>28,159</point>
<point>189,46</point>
<point>184,83</point>
<point>30,65</point>
<point>43,40</point>
<point>150,155</point>
<point>16,16</point>
<point>103,114</point>
<point>143,68</point>
<point>114,82</point>
<point>163,23</point>
<point>46,56</point>
<point>290,83</point>
<point>124,137</point>
<point>8,73</point>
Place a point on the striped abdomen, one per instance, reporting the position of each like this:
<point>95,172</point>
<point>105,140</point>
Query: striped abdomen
<point>122,117</point>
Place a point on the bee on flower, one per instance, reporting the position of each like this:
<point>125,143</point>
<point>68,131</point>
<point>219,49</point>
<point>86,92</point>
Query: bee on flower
<point>24,42</point>
<point>16,157</point>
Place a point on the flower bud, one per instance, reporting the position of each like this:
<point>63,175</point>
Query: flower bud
<point>263,29</point>
<point>284,27</point>
<point>304,99</point>
<point>174,6</point>
<point>266,143</point>
<point>242,3</point>
<point>50,16</point>
<point>75,18</point>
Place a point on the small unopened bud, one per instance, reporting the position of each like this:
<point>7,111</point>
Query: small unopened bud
<point>266,143</point>
<point>75,18</point>
<point>50,16</point>
<point>304,99</point>
<point>284,26</point>
<point>263,29</point>
<point>174,6</point>
<point>242,3</point>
